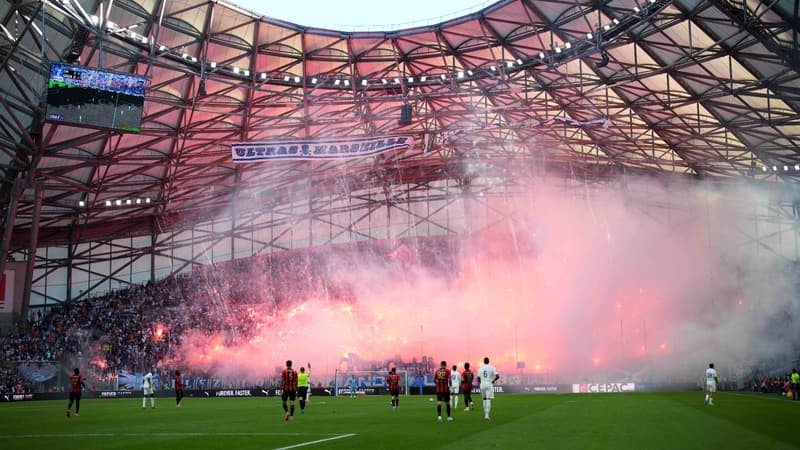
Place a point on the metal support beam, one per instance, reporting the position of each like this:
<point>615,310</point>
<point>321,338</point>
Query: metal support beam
<point>34,238</point>
<point>8,225</point>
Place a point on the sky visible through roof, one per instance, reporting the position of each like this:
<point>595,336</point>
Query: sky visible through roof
<point>360,15</point>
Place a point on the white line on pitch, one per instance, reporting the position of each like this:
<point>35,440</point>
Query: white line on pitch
<point>317,441</point>
<point>81,435</point>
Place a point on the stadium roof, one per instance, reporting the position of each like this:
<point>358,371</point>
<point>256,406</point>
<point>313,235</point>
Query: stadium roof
<point>707,89</point>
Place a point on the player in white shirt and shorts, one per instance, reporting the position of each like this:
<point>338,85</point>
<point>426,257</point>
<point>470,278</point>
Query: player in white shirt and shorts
<point>455,386</point>
<point>487,375</point>
<point>711,384</point>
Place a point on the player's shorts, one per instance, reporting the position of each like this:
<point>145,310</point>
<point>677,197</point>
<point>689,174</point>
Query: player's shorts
<point>150,391</point>
<point>466,389</point>
<point>394,392</point>
<point>454,390</point>
<point>302,392</point>
<point>487,391</point>
<point>443,396</point>
<point>290,395</point>
<point>74,396</point>
<point>711,387</point>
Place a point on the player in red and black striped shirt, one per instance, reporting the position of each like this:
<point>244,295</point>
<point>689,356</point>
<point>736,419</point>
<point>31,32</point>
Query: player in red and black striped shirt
<point>466,387</point>
<point>178,388</point>
<point>393,380</point>
<point>289,379</point>
<point>76,385</point>
<point>442,380</point>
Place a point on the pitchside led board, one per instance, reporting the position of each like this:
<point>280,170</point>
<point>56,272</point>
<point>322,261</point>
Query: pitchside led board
<point>96,98</point>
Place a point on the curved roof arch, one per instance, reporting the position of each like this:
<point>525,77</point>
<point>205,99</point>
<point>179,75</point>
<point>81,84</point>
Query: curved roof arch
<point>700,89</point>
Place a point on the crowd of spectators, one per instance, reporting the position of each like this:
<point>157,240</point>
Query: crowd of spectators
<point>142,327</point>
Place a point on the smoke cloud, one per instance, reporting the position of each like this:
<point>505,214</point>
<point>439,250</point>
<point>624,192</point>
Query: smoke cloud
<point>648,282</point>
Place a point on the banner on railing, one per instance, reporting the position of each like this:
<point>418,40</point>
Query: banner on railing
<point>335,148</point>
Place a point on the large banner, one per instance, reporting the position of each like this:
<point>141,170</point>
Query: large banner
<point>335,148</point>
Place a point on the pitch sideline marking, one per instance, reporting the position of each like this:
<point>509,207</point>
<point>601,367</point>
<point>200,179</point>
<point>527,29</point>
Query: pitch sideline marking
<point>80,435</point>
<point>303,444</point>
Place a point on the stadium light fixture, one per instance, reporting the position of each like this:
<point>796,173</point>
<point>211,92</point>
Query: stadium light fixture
<point>774,168</point>
<point>519,61</point>
<point>606,27</point>
<point>185,56</point>
<point>636,9</point>
<point>764,168</point>
<point>785,168</point>
<point>286,78</point>
<point>81,203</point>
<point>470,73</point>
<point>541,55</point>
<point>509,64</point>
<point>213,64</point>
<point>616,21</point>
<point>95,20</point>
<point>397,81</point>
<point>162,48</point>
<point>138,201</point>
<point>797,167</point>
<point>128,202</point>
<point>410,79</point>
<point>443,77</point>
<point>347,82</point>
<point>118,202</point>
<point>313,80</point>
<point>337,82</point>
<point>145,40</point>
<point>493,68</point>
<point>589,36</point>
<point>236,70</point>
<point>364,82</point>
<point>558,50</point>
<point>568,45</point>
<point>423,78</point>
<point>460,74</point>
<point>147,200</point>
<point>194,59</point>
<point>263,75</point>
<point>383,81</point>
<point>108,202</point>
<point>296,79</point>
<point>246,73</point>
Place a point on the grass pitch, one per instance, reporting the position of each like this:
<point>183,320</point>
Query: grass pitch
<point>595,421</point>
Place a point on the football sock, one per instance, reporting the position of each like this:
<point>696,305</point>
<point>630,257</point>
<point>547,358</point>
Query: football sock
<point>144,402</point>
<point>397,402</point>
<point>439,410</point>
<point>291,410</point>
<point>448,410</point>
<point>455,402</point>
<point>302,404</point>
<point>153,402</point>
<point>285,408</point>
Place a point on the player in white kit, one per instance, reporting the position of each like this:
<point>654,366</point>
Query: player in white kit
<point>149,388</point>
<point>455,386</point>
<point>487,375</point>
<point>711,384</point>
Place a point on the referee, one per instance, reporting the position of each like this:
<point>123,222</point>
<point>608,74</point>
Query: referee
<point>302,387</point>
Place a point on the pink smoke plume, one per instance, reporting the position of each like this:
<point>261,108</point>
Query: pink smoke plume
<point>578,287</point>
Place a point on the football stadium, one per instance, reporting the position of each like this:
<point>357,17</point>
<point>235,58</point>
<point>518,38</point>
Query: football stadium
<point>524,224</point>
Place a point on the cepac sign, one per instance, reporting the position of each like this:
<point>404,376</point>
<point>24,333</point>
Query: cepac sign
<point>602,388</point>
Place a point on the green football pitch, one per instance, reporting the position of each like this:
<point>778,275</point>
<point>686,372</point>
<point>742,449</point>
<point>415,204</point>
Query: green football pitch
<point>600,421</point>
